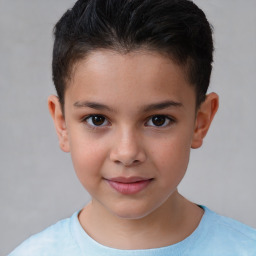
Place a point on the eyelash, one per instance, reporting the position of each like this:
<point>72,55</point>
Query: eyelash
<point>168,119</point>
<point>92,126</point>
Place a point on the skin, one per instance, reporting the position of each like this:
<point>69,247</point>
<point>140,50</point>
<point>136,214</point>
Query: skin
<point>128,143</point>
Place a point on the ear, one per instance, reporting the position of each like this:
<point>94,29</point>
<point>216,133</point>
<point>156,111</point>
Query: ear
<point>204,118</point>
<point>59,122</point>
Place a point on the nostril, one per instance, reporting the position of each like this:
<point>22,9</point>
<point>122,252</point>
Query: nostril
<point>131,163</point>
<point>127,156</point>
<point>128,163</point>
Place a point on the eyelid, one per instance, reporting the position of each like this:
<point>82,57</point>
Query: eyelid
<point>171,120</point>
<point>84,120</point>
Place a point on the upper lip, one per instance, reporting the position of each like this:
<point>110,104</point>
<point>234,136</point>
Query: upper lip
<point>128,179</point>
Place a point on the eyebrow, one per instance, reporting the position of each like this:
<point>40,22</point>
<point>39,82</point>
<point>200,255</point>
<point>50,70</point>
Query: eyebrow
<point>162,105</point>
<point>94,105</point>
<point>147,108</point>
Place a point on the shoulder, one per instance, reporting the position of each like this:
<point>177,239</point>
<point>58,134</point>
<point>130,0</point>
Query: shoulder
<point>55,240</point>
<point>231,227</point>
<point>226,235</point>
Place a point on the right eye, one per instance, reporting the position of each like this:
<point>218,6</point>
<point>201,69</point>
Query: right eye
<point>96,120</point>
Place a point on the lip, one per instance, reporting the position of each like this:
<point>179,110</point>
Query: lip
<point>129,185</point>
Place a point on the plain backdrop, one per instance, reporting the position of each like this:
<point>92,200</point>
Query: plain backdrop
<point>37,183</point>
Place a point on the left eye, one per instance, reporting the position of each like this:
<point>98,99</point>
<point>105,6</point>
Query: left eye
<point>159,121</point>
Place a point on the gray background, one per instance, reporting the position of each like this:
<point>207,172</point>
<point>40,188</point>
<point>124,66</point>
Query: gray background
<point>38,185</point>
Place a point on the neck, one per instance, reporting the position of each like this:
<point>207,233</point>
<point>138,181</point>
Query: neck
<point>171,223</point>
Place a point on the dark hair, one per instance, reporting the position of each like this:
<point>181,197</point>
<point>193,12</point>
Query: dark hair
<point>177,28</point>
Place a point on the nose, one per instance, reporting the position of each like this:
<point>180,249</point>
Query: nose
<point>127,149</point>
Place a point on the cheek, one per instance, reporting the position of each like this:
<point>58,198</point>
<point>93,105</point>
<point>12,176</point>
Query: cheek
<point>88,156</point>
<point>172,157</point>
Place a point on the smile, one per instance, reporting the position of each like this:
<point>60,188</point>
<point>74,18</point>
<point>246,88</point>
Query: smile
<point>129,186</point>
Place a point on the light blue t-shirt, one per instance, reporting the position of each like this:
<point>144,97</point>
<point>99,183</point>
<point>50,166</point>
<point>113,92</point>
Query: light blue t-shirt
<point>215,236</point>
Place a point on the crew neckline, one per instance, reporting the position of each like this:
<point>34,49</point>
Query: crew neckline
<point>88,244</point>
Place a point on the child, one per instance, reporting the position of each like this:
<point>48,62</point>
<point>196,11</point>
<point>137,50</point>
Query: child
<point>131,78</point>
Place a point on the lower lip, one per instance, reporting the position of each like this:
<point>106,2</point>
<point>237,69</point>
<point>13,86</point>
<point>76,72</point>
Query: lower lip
<point>129,188</point>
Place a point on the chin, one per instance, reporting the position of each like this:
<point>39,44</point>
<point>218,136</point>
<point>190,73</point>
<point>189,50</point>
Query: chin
<point>132,211</point>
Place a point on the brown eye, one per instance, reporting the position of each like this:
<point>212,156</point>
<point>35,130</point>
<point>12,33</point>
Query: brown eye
<point>159,121</point>
<point>96,120</point>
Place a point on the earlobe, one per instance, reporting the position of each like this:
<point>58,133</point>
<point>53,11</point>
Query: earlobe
<point>204,118</point>
<point>59,122</point>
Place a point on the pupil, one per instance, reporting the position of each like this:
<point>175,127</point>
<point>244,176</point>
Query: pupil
<point>158,120</point>
<point>98,120</point>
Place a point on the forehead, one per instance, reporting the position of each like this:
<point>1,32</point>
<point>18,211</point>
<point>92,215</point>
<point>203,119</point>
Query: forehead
<point>138,76</point>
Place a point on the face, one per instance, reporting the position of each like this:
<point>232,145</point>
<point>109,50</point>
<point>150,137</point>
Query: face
<point>130,122</point>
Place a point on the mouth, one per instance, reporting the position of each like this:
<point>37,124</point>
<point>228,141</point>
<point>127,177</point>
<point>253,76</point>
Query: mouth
<point>129,186</point>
